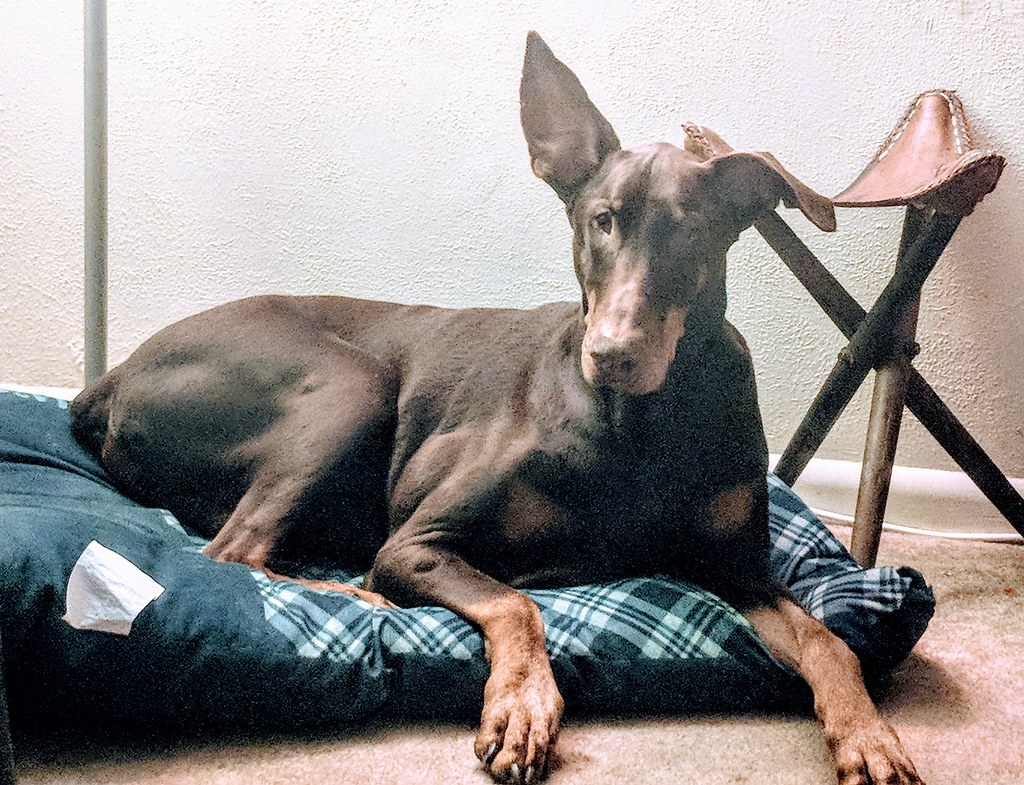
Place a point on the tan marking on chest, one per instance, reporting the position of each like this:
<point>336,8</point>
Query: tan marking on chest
<point>731,509</point>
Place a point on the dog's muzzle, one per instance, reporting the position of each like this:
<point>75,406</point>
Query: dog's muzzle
<point>611,365</point>
<point>634,360</point>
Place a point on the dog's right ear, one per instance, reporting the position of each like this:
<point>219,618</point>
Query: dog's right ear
<point>567,136</point>
<point>744,175</point>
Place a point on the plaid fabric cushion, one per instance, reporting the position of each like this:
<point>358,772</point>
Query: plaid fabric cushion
<point>817,568</point>
<point>223,646</point>
<point>635,619</point>
<point>880,612</point>
<point>653,618</point>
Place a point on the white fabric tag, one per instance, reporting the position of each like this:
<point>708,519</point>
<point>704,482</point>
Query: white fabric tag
<point>107,592</point>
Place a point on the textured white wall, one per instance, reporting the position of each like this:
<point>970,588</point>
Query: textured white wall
<point>373,148</point>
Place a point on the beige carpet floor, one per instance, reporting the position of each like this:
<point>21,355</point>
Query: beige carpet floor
<point>957,703</point>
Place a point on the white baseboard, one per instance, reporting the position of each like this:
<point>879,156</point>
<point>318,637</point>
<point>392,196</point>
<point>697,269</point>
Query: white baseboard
<point>936,501</point>
<point>65,393</point>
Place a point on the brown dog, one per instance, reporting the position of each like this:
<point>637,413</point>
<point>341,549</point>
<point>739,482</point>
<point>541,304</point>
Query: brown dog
<point>459,454</point>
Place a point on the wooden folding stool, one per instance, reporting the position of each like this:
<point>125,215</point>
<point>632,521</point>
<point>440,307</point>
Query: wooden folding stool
<point>929,164</point>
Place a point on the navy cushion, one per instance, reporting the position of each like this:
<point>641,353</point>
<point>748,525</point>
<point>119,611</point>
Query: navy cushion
<point>224,647</point>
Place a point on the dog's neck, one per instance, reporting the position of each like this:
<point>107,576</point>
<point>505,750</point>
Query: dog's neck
<point>613,409</point>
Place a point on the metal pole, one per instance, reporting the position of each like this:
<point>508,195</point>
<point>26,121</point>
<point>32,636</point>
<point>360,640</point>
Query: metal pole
<point>95,189</point>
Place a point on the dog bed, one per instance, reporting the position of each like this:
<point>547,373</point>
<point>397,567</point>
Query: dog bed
<point>111,616</point>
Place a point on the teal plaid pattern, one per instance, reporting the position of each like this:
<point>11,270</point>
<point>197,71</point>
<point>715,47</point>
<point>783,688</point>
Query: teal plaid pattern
<point>651,618</point>
<point>316,624</point>
<point>648,618</point>
<point>817,568</point>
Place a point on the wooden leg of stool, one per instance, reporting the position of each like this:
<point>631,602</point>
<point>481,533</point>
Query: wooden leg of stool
<point>925,236</point>
<point>922,400</point>
<point>837,391</point>
<point>883,432</point>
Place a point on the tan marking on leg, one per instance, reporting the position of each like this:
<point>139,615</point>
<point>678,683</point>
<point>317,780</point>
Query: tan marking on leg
<point>377,600</point>
<point>523,708</point>
<point>863,746</point>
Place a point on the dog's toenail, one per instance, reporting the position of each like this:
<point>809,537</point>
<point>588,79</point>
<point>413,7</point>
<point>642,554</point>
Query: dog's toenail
<point>491,752</point>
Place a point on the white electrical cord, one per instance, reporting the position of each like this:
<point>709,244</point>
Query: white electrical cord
<point>846,520</point>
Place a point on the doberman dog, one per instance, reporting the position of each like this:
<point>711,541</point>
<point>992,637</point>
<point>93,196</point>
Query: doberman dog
<point>459,455</point>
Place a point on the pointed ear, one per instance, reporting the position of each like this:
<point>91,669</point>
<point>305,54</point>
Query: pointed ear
<point>567,136</point>
<point>750,184</point>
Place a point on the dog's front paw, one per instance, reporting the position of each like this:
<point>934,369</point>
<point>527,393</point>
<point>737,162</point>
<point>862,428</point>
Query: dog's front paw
<point>872,755</point>
<point>519,725</point>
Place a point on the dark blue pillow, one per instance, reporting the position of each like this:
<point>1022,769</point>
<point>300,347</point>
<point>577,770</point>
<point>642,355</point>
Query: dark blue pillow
<point>223,647</point>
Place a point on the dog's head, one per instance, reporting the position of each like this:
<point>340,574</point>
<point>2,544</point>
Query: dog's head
<point>651,224</point>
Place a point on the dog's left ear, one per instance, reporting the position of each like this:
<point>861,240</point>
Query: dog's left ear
<point>567,136</point>
<point>747,185</point>
<point>750,184</point>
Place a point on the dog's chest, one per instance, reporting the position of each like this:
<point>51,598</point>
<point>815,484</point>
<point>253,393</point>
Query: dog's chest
<point>581,511</point>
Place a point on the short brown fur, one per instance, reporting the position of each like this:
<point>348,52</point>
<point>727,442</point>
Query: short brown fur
<point>455,455</point>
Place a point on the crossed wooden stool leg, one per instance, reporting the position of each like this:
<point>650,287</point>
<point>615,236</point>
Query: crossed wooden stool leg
<point>928,164</point>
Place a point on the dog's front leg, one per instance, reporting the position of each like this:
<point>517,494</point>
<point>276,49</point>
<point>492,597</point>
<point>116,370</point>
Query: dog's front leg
<point>522,707</point>
<point>864,747</point>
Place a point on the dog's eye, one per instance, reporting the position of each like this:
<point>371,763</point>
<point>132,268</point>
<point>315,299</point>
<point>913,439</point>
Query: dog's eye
<point>603,221</point>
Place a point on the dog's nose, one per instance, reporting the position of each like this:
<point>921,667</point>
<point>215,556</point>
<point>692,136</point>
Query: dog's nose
<point>613,360</point>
